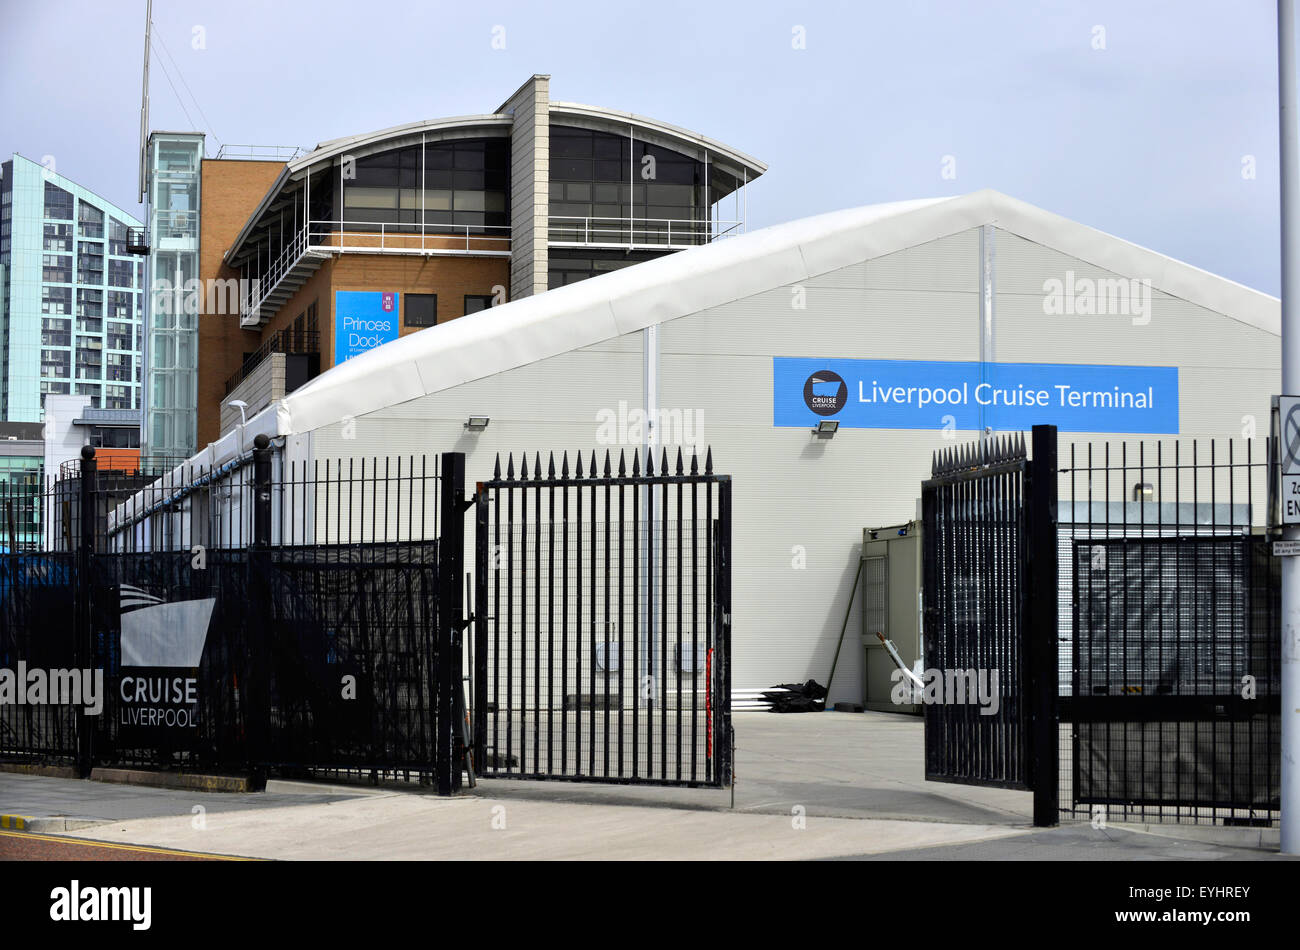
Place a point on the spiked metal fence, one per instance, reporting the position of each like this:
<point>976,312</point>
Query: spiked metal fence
<point>248,619</point>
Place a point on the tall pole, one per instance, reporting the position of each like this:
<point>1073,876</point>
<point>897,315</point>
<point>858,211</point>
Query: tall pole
<point>144,96</point>
<point>146,295</point>
<point>1290,148</point>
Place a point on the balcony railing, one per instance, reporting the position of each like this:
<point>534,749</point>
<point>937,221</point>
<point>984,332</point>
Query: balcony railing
<point>658,233</point>
<point>137,241</point>
<point>264,153</point>
<point>321,238</point>
<point>282,341</point>
<point>408,237</point>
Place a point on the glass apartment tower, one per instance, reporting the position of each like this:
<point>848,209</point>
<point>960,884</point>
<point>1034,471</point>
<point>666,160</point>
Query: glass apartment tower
<point>70,295</point>
<point>173,168</point>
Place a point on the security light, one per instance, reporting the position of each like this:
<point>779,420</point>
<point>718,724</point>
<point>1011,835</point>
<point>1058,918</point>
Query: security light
<point>477,423</point>
<point>1143,491</point>
<point>241,406</point>
<point>826,428</point>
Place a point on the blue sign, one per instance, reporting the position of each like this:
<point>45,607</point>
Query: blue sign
<point>363,320</point>
<point>919,394</point>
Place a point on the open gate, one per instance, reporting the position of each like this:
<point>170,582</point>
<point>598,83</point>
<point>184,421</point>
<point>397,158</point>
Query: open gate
<point>1133,628</point>
<point>989,621</point>
<point>602,605</point>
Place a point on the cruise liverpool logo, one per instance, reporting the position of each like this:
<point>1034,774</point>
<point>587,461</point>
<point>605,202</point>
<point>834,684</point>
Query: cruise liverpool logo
<point>162,648</point>
<point>825,393</point>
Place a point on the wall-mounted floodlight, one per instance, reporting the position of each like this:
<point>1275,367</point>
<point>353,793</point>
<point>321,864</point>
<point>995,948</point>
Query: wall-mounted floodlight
<point>1143,491</point>
<point>826,428</point>
<point>477,423</point>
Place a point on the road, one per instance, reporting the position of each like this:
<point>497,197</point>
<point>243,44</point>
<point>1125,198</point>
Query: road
<point>24,846</point>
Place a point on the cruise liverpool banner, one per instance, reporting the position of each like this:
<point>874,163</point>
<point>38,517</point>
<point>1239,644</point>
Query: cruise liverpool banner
<point>920,394</point>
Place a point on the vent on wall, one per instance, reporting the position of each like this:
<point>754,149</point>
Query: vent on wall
<point>875,594</point>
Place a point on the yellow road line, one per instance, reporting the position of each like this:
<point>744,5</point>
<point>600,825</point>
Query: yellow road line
<point>90,842</point>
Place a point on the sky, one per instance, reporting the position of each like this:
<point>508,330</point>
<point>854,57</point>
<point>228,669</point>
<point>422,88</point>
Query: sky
<point>1153,121</point>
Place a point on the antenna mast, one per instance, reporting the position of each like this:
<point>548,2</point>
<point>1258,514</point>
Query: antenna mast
<point>144,98</point>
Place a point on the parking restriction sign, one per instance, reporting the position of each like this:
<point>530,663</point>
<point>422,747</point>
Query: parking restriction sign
<point>1289,418</point>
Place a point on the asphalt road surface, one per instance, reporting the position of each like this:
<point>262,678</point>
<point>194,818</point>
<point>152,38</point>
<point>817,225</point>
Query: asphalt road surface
<point>25,846</point>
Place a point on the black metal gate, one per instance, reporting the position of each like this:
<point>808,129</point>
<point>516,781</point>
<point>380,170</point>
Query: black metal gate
<point>602,642</point>
<point>1171,677</point>
<point>989,621</point>
<point>1134,627</point>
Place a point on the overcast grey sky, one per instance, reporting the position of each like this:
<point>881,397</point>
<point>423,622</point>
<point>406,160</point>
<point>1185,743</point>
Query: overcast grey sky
<point>1134,117</point>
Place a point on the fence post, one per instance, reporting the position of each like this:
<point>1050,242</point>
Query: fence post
<point>85,637</point>
<point>481,567</point>
<point>262,492</point>
<point>448,644</point>
<point>1041,558</point>
<point>259,562</point>
<point>723,699</point>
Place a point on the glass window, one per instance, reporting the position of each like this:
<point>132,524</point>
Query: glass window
<point>468,183</point>
<point>475,303</point>
<point>56,363</point>
<point>121,304</point>
<point>58,203</point>
<point>56,300</point>
<point>421,310</point>
<point>90,220</point>
<point>570,143</point>
<point>590,180</point>
<point>119,397</point>
<point>115,437</point>
<point>90,263</point>
<point>120,273</point>
<point>90,303</point>
<point>58,237</point>
<point>119,336</point>
<point>55,332</point>
<point>57,268</point>
<point>570,266</point>
<point>117,237</point>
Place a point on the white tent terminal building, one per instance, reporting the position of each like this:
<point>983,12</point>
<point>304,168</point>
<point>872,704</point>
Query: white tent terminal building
<point>942,318</point>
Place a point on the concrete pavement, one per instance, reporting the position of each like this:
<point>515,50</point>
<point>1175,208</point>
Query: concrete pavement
<point>821,785</point>
<point>399,826</point>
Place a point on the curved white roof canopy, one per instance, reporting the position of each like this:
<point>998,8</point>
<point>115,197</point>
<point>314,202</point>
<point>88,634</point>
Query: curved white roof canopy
<point>534,328</point>
<point>598,309</point>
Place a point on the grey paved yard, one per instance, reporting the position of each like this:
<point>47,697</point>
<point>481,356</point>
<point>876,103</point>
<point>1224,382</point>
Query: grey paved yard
<point>820,785</point>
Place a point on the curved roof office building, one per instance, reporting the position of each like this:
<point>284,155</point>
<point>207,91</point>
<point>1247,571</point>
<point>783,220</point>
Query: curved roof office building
<point>369,237</point>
